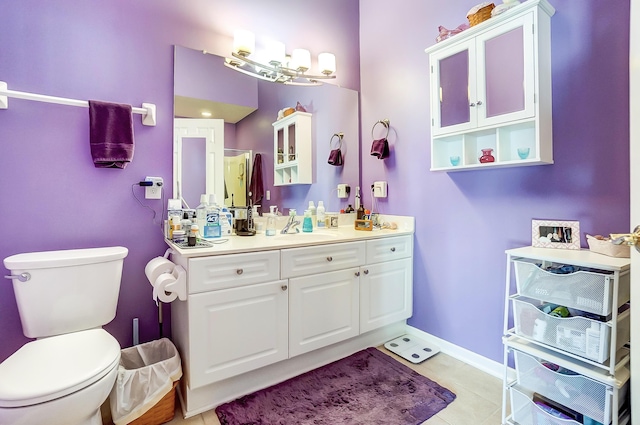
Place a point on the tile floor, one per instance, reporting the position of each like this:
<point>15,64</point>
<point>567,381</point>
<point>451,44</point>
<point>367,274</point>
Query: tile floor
<point>478,401</point>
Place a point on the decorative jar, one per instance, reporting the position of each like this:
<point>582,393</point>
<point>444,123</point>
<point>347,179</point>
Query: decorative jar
<point>486,156</point>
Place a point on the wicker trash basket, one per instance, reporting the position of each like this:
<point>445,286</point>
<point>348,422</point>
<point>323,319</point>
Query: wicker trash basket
<point>145,390</point>
<point>480,13</point>
<point>162,412</point>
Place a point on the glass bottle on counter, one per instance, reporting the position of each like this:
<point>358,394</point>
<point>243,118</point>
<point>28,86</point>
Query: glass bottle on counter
<point>307,222</point>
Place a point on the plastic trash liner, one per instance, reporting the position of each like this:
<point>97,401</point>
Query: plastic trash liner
<point>145,375</point>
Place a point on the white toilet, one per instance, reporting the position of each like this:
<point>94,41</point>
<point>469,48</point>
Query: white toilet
<point>64,298</point>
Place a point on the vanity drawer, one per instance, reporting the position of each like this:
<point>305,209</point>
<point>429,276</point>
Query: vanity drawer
<point>319,259</point>
<point>230,271</point>
<point>387,249</point>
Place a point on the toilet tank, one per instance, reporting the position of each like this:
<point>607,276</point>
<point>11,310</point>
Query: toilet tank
<point>66,291</point>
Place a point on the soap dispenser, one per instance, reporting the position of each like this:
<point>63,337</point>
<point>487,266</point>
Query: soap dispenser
<point>307,222</point>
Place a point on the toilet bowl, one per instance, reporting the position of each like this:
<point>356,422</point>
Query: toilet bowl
<point>65,375</point>
<point>59,380</point>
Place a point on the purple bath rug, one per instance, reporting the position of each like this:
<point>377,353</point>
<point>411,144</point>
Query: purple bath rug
<point>367,387</point>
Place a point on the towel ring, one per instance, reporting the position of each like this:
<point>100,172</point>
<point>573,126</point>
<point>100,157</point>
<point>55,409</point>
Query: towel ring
<point>385,123</point>
<point>339,136</point>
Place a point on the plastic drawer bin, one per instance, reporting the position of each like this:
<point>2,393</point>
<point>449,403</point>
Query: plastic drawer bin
<point>144,392</point>
<point>526,412</point>
<point>578,335</point>
<point>590,291</point>
<point>577,392</point>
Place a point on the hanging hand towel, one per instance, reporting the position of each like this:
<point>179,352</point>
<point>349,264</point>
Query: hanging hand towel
<point>110,134</point>
<point>335,157</point>
<point>380,148</point>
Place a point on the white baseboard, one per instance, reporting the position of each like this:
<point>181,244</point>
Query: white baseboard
<point>476,360</point>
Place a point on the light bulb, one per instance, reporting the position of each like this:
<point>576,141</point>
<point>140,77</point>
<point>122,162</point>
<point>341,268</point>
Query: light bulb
<point>301,59</point>
<point>327,63</point>
<point>276,52</point>
<point>244,42</point>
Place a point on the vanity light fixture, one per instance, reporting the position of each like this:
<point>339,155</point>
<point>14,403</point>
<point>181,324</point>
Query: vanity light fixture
<point>274,65</point>
<point>205,114</point>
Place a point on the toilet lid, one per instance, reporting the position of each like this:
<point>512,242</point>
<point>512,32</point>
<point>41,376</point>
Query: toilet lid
<point>49,368</point>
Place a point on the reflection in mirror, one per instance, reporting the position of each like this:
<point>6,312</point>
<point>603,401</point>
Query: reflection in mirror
<point>198,159</point>
<point>237,175</point>
<point>202,84</point>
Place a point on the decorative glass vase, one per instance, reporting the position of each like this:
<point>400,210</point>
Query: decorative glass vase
<point>486,156</point>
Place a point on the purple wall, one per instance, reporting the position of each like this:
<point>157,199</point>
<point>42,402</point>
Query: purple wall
<point>121,51</point>
<point>117,51</point>
<point>466,220</point>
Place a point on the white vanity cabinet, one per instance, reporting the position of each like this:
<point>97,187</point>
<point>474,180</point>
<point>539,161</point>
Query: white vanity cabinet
<point>236,316</point>
<point>324,294</point>
<point>292,150</point>
<point>260,310</point>
<point>577,364</point>
<point>491,91</point>
<point>386,282</point>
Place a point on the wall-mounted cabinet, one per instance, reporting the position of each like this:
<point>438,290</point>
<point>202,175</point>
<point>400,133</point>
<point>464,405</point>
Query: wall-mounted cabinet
<point>292,150</point>
<point>491,92</point>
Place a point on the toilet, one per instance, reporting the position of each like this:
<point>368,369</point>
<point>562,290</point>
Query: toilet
<point>64,298</point>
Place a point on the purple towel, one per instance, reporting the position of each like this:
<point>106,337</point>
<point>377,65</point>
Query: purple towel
<point>335,157</point>
<point>380,148</point>
<point>110,134</point>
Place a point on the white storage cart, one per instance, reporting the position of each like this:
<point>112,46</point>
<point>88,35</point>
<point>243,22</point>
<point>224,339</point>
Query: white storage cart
<point>577,364</point>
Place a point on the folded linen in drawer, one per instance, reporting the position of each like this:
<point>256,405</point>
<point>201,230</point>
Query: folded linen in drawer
<point>230,271</point>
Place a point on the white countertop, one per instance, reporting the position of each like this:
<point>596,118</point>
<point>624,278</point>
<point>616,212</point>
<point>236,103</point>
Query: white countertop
<point>260,242</point>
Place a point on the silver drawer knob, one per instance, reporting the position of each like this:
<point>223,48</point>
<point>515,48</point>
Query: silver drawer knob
<point>393,249</point>
<point>366,272</point>
<point>357,274</point>
<point>239,271</point>
<point>329,258</point>
<point>283,287</point>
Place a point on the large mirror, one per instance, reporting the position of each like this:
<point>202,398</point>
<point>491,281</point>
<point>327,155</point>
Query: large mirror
<point>223,132</point>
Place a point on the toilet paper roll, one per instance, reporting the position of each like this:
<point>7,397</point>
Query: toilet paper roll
<point>157,267</point>
<point>160,287</point>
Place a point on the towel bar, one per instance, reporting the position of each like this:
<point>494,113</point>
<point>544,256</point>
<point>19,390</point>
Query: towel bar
<point>148,110</point>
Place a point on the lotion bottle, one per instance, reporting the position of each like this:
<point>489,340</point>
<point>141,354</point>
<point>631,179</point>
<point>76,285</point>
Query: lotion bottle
<point>320,214</point>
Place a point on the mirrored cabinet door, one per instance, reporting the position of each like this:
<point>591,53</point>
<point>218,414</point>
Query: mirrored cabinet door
<point>505,88</point>
<point>451,74</point>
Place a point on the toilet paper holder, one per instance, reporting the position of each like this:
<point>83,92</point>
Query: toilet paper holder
<point>179,287</point>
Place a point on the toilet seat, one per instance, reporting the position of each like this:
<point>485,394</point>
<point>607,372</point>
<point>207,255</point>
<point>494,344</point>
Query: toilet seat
<point>50,368</point>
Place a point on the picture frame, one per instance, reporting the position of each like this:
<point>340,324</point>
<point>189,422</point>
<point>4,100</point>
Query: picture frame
<point>559,234</point>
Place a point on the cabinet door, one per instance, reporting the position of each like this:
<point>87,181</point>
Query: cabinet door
<point>323,310</point>
<point>505,72</point>
<point>385,293</point>
<point>236,330</point>
<point>452,87</point>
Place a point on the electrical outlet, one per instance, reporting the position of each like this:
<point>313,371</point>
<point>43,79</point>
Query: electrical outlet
<point>379,189</point>
<point>343,191</point>
<point>154,191</point>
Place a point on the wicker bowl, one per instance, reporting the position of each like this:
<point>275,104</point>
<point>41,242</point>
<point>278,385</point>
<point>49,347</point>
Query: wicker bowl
<point>480,13</point>
<point>603,245</point>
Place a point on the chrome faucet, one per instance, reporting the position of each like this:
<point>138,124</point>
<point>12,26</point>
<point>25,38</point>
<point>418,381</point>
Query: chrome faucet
<point>291,224</point>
